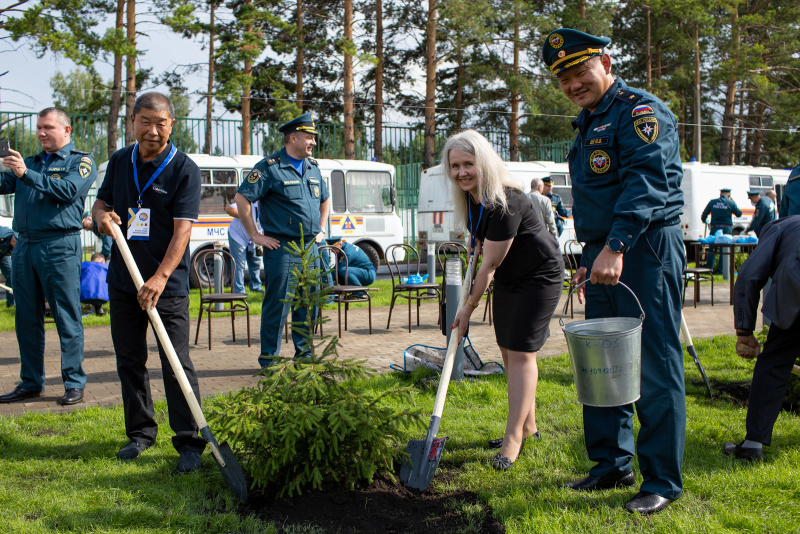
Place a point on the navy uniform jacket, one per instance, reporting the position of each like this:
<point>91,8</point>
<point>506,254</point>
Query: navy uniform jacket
<point>355,258</point>
<point>777,256</point>
<point>625,166</point>
<point>5,240</point>
<point>49,198</point>
<point>287,199</point>
<point>790,204</point>
<point>764,214</point>
<point>722,210</point>
<point>559,211</point>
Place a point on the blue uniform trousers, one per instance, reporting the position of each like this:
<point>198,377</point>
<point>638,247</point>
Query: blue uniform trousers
<point>5,268</point>
<point>277,267</point>
<point>356,276</point>
<point>106,241</point>
<point>49,269</point>
<point>711,259</point>
<point>559,226</point>
<point>652,269</point>
<point>242,254</point>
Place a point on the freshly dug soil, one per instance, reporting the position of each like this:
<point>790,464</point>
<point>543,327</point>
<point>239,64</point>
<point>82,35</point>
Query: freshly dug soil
<point>383,507</point>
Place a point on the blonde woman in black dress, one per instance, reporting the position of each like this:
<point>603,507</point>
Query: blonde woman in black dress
<point>526,265</point>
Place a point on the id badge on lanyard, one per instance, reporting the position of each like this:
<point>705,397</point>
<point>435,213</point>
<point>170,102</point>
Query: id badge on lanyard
<point>139,218</point>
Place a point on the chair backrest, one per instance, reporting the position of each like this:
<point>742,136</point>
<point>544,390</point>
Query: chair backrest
<point>572,263</point>
<point>203,265</point>
<point>338,255</point>
<point>452,249</point>
<point>411,256</point>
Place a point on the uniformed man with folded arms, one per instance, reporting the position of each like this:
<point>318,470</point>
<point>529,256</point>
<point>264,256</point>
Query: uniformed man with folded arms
<point>626,173</point>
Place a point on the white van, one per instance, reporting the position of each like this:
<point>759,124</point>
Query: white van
<point>362,201</point>
<point>702,182</point>
<point>435,206</point>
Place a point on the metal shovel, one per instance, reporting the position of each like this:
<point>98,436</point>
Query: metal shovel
<point>419,466</point>
<point>231,471</point>
<point>687,338</point>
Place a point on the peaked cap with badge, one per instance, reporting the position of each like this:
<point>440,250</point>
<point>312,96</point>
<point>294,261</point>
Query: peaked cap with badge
<point>566,48</point>
<point>303,123</point>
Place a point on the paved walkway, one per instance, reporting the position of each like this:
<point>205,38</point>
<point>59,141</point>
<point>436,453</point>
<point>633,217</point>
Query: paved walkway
<point>229,366</point>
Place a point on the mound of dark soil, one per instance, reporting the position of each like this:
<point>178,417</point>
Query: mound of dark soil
<point>383,507</point>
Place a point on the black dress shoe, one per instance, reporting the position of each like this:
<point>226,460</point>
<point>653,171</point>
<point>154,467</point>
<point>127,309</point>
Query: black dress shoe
<point>20,393</point>
<point>498,443</point>
<point>612,480</point>
<point>132,450</point>
<point>71,396</point>
<point>647,503</point>
<point>750,454</point>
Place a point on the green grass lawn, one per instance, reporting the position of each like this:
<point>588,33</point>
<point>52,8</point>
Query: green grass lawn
<point>58,472</point>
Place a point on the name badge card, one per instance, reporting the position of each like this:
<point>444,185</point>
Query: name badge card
<point>138,224</point>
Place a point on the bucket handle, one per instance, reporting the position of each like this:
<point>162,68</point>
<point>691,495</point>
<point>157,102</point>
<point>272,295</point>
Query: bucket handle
<point>566,304</point>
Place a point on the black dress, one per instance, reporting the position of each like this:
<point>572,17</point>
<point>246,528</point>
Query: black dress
<point>528,282</point>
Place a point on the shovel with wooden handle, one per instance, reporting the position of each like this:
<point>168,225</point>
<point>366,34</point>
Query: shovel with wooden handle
<point>231,471</point>
<point>423,455</point>
<point>687,338</point>
<point>6,288</point>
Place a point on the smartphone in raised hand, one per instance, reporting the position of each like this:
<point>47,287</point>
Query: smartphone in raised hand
<point>4,148</point>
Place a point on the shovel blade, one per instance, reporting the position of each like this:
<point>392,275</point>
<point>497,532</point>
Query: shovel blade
<point>231,471</point>
<point>420,465</point>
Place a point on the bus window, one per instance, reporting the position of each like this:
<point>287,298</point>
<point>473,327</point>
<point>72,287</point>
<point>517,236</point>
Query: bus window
<point>369,192</point>
<point>559,179</point>
<point>337,192</point>
<point>217,190</point>
<point>566,196</point>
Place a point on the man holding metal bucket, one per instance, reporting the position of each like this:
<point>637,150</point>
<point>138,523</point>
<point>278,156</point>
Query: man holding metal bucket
<point>626,173</point>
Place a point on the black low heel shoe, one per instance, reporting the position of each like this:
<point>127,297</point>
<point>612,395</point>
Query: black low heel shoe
<point>498,443</point>
<point>503,463</point>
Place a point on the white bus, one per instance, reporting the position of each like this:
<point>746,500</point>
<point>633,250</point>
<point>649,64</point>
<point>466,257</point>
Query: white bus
<point>362,201</point>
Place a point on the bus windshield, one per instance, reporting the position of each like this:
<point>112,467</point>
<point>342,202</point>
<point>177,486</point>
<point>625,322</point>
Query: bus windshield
<point>369,192</point>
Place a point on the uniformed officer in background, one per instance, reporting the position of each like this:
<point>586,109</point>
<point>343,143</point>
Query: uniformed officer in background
<point>559,211</point>
<point>291,193</point>
<point>722,210</point>
<point>763,214</point>
<point>7,241</point>
<point>50,190</point>
<point>790,203</point>
<point>626,173</point>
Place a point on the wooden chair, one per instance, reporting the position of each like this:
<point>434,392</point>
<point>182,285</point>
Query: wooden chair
<point>236,302</point>
<point>572,265</point>
<point>343,293</point>
<point>404,290</point>
<point>696,275</point>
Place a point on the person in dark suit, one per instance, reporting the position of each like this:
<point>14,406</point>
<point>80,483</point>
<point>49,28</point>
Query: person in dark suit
<point>777,256</point>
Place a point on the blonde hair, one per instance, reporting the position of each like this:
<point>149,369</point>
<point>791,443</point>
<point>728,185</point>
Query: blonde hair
<point>492,174</point>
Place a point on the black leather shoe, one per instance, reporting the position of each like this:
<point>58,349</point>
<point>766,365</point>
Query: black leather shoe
<point>750,454</point>
<point>498,443</point>
<point>132,450</point>
<point>189,461</point>
<point>20,393</point>
<point>71,396</point>
<point>647,503</point>
<point>612,480</point>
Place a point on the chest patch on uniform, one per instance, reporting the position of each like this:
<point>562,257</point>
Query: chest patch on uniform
<point>84,169</point>
<point>316,191</point>
<point>646,128</point>
<point>57,169</point>
<point>642,110</point>
<point>55,176</point>
<point>597,141</point>
<point>602,127</point>
<point>254,176</point>
<point>600,161</point>
<point>291,182</point>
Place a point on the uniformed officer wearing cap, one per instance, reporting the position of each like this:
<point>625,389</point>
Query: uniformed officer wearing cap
<point>8,238</point>
<point>626,173</point>
<point>559,211</point>
<point>790,203</point>
<point>763,214</point>
<point>722,210</point>
<point>292,193</point>
<point>50,190</point>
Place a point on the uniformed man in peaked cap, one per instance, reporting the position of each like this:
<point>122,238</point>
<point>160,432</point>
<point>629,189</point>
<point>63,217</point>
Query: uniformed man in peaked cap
<point>722,210</point>
<point>559,211</point>
<point>626,174</point>
<point>292,193</point>
<point>764,212</point>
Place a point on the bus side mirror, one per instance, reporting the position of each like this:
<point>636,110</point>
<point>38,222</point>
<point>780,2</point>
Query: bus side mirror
<point>392,195</point>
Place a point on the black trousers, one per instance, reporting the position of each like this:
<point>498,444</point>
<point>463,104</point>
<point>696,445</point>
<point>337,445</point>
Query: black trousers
<point>770,380</point>
<point>128,333</point>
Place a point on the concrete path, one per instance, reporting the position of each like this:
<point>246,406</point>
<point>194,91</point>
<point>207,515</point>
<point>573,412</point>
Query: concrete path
<point>229,366</point>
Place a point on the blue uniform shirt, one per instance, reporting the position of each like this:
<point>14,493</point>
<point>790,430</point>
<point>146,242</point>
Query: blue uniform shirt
<point>49,198</point>
<point>559,211</point>
<point>764,214</point>
<point>287,199</point>
<point>722,210</point>
<point>790,204</point>
<point>625,166</point>
<point>5,240</point>
<point>355,258</point>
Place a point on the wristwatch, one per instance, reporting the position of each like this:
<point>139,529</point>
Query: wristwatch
<point>616,246</point>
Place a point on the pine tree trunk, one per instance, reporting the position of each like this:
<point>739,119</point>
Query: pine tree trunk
<point>430,87</point>
<point>349,127</point>
<point>379,81</point>
<point>248,72</point>
<point>130,66</point>
<point>513,130</point>
<point>116,89</point>
<point>698,111</point>
<point>300,64</point>
<point>459,94</point>
<point>726,139</point>
<point>758,136</point>
<point>648,52</point>
<point>209,96</point>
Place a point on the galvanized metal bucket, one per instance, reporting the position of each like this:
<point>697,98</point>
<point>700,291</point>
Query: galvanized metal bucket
<point>606,357</point>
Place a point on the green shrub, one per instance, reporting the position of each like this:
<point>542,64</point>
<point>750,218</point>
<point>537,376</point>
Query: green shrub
<point>306,423</point>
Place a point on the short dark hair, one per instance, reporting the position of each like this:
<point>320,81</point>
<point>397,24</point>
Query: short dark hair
<point>286,137</point>
<point>62,115</point>
<point>154,102</point>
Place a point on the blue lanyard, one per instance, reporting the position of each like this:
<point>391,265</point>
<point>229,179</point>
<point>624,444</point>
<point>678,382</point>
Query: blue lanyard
<point>152,179</point>
<point>471,231</point>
